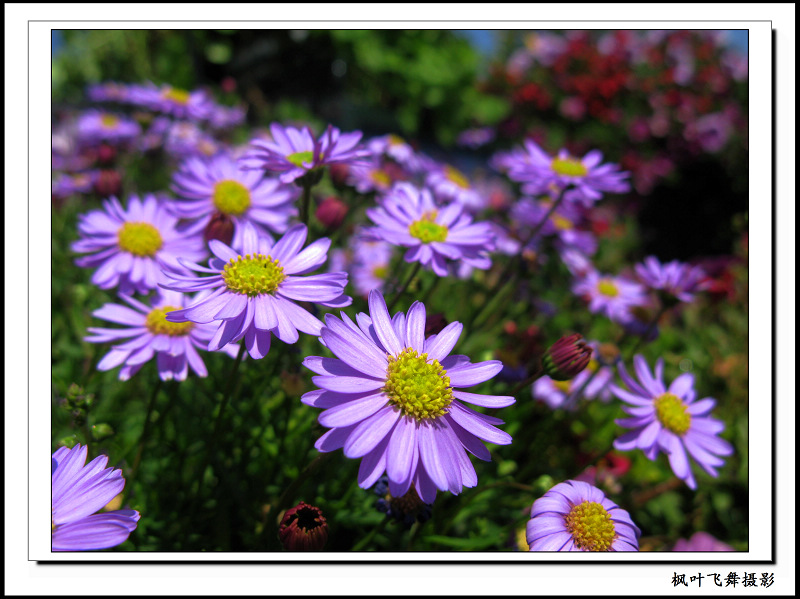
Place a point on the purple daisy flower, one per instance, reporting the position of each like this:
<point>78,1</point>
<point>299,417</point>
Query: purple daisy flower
<point>254,290</point>
<point>294,152</point>
<point>185,138</point>
<point>78,491</point>
<point>217,186</point>
<point>450,184</point>
<point>408,217</point>
<point>396,148</point>
<point>391,398</point>
<point>152,335</point>
<point>108,91</point>
<point>131,247</point>
<point>612,296</point>
<point>673,278</point>
<point>179,103</point>
<point>576,516</point>
<point>540,173</point>
<point>670,420</point>
<point>95,126</point>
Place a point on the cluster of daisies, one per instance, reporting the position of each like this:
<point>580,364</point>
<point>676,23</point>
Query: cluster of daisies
<point>222,264</point>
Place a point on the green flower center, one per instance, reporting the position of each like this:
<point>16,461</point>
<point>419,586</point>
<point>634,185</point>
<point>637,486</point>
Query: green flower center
<point>571,167</point>
<point>253,275</point>
<point>158,324</point>
<point>140,239</point>
<point>298,158</point>
<point>426,230</point>
<point>109,121</point>
<point>380,271</point>
<point>231,197</point>
<point>591,526</point>
<point>419,388</point>
<point>608,288</point>
<point>396,140</point>
<point>671,413</point>
<point>181,96</point>
<point>457,177</point>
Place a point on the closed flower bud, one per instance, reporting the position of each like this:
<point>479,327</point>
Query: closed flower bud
<point>219,227</point>
<point>303,528</point>
<point>566,357</point>
<point>108,183</point>
<point>331,212</point>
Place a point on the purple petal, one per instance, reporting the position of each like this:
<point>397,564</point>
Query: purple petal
<point>370,432</point>
<point>473,374</point>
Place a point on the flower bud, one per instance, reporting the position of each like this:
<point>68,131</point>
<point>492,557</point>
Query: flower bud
<point>303,528</point>
<point>566,357</point>
<point>331,212</point>
<point>220,227</point>
<point>108,183</point>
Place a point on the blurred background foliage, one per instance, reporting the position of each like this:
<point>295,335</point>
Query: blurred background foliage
<point>428,86</point>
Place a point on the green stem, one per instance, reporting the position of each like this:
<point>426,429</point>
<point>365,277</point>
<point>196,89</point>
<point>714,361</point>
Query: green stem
<point>402,290</point>
<point>371,535</point>
<point>528,381</point>
<point>145,429</point>
<point>291,490</point>
<point>305,203</point>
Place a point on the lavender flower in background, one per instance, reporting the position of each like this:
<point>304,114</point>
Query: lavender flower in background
<point>475,138</point>
<point>609,295</point>
<point>295,152</point>
<point>210,186</point>
<point>130,247</point>
<point>179,103</point>
<point>108,91</point>
<point>185,138</point>
<point>95,126</point>
<point>576,516</point>
<point>701,541</point>
<point>396,148</point>
<point>371,261</point>
<point>408,217</point>
<point>78,491</point>
<point>675,278</point>
<point>585,179</point>
<point>670,420</point>
<point>254,290</point>
<point>451,185</point>
<point>391,397</point>
<point>151,335</point>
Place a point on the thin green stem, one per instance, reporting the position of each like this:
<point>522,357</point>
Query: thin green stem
<point>145,429</point>
<point>402,290</point>
<point>291,490</point>
<point>305,203</point>
<point>371,535</point>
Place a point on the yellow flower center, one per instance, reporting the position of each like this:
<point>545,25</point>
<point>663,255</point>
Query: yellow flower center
<point>381,177</point>
<point>672,414</point>
<point>380,271</point>
<point>299,158</point>
<point>180,96</point>
<point>253,275</point>
<point>571,167</point>
<point>158,324</point>
<point>591,526</point>
<point>419,388</point>
<point>426,230</point>
<point>109,121</point>
<point>561,223</point>
<point>608,288</point>
<point>396,140</point>
<point>231,197</point>
<point>456,176</point>
<point>140,239</point>
<point>563,386</point>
